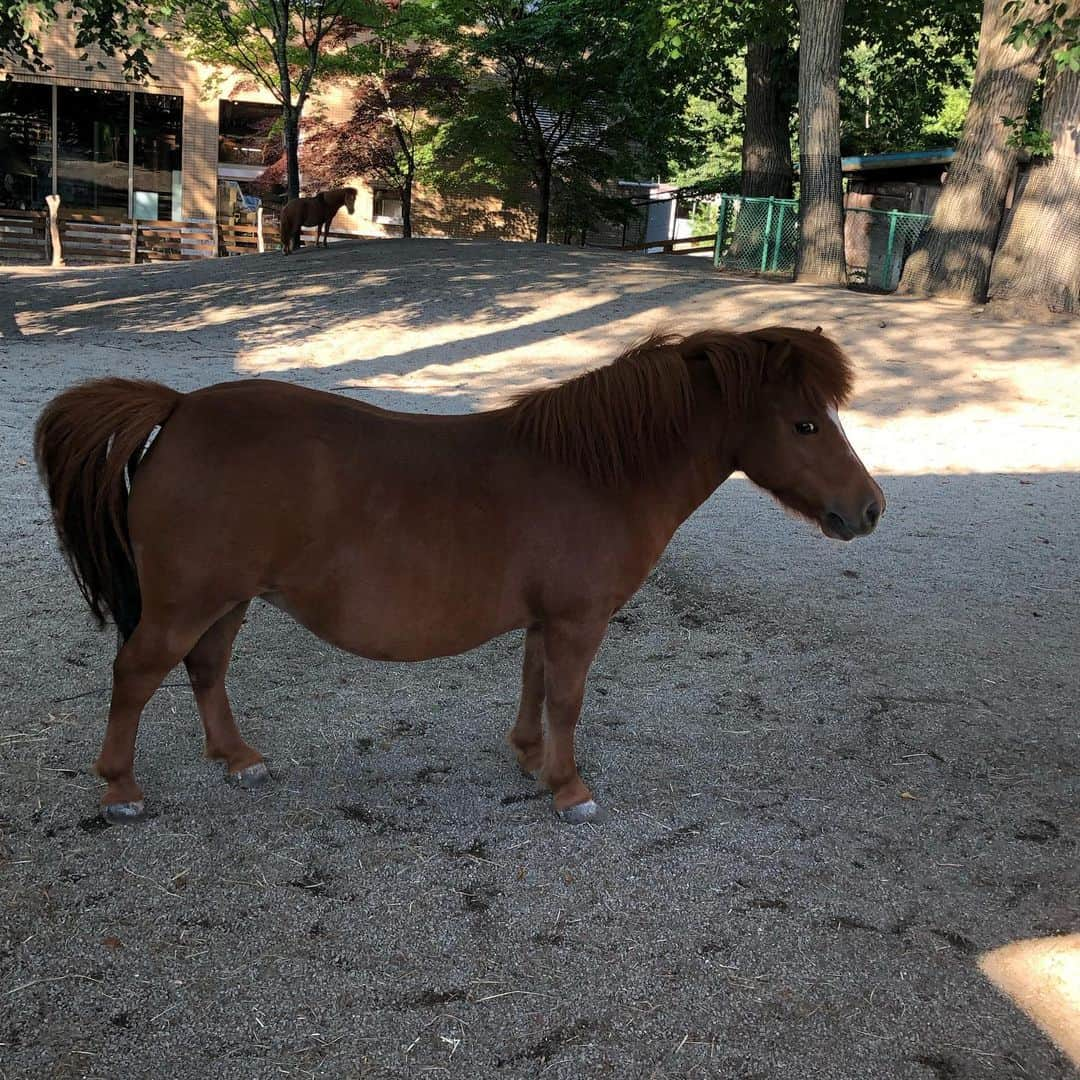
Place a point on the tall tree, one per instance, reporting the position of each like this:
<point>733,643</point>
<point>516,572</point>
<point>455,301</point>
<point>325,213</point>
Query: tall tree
<point>717,42</point>
<point>555,76</point>
<point>1036,269</point>
<point>283,45</point>
<point>392,125</point>
<point>124,30</point>
<point>770,96</point>
<point>901,57</point>
<point>820,256</point>
<point>954,253</point>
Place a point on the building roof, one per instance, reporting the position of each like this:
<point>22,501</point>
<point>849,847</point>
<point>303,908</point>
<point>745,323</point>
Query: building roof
<point>906,159</point>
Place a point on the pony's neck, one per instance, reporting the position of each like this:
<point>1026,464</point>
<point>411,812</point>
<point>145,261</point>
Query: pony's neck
<point>698,468</point>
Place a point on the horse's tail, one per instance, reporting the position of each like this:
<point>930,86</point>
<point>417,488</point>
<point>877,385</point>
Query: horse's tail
<point>85,441</point>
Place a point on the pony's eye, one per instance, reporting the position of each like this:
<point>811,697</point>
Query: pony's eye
<point>806,427</point>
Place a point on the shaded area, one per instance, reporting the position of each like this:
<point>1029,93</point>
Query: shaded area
<point>837,774</point>
<point>441,318</point>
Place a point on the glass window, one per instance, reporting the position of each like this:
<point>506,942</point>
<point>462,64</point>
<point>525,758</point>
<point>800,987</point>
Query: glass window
<point>92,149</point>
<point>25,145</point>
<point>157,156</point>
<point>387,207</point>
<point>247,132</point>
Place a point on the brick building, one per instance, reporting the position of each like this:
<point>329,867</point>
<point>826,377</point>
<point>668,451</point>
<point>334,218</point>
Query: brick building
<point>159,150</point>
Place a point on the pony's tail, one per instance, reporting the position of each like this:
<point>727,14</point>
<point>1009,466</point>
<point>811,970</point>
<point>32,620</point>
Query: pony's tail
<point>87,442</point>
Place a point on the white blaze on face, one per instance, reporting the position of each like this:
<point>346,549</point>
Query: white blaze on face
<point>834,418</point>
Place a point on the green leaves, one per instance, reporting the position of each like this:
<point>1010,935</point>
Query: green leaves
<point>1053,26</point>
<point>120,28</point>
<point>1035,140</point>
<point>569,93</point>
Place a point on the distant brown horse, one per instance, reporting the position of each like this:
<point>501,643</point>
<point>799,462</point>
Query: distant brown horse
<point>319,211</point>
<point>404,537</point>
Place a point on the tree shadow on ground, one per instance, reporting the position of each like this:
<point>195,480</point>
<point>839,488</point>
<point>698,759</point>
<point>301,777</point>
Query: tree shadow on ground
<point>369,310</point>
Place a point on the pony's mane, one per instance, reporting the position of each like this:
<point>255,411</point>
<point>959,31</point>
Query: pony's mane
<point>619,422</point>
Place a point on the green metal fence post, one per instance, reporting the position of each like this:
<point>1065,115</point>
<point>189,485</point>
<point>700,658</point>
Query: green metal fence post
<point>779,236</point>
<point>720,216</point>
<point>886,270</point>
<point>768,229</point>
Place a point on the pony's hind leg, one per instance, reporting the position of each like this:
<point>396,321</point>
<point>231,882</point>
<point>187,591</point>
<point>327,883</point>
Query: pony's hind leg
<point>526,737</point>
<point>206,666</point>
<point>569,648</point>
<point>141,665</point>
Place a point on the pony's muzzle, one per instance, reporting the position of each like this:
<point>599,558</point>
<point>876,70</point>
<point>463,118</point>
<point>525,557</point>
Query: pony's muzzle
<point>841,526</point>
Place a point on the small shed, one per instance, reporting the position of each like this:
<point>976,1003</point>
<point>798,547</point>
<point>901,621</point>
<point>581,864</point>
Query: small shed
<point>910,182</point>
<point>901,190</point>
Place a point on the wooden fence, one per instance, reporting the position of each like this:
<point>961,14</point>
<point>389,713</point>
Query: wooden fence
<point>685,245</point>
<point>24,234</point>
<point>171,241</point>
<point>98,239</point>
<point>93,238</point>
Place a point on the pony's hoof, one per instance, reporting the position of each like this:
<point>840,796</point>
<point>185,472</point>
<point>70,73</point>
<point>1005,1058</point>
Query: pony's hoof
<point>252,777</point>
<point>586,811</point>
<point>123,813</point>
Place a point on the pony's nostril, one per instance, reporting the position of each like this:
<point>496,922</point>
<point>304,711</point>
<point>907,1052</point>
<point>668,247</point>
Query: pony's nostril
<point>837,523</point>
<point>872,513</point>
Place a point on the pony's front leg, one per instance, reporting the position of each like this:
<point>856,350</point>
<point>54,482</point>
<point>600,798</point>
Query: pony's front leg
<point>526,737</point>
<point>569,648</point>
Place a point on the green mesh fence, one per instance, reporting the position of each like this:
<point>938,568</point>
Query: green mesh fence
<point>757,234</point>
<point>761,235</point>
<point>877,244</point>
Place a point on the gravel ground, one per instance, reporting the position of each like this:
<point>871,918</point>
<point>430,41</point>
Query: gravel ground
<point>837,773</point>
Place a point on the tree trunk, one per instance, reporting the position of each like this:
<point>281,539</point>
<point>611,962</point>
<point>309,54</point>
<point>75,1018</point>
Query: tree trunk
<point>543,213</point>
<point>406,206</point>
<point>291,121</point>
<point>953,255</point>
<point>766,148</point>
<point>1036,269</point>
<point>821,191</point>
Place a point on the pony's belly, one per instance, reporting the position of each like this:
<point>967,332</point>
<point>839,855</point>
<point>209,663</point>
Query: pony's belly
<point>388,634</point>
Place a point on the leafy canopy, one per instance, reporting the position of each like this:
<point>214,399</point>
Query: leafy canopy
<point>120,28</point>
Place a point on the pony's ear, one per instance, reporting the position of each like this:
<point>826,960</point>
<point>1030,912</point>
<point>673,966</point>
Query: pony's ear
<point>817,329</point>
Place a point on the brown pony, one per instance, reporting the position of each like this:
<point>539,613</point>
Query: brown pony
<point>319,211</point>
<point>404,537</point>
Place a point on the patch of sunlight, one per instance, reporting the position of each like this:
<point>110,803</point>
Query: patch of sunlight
<point>969,439</point>
<point>969,417</point>
<point>220,316</point>
<point>1042,977</point>
<point>387,342</point>
<point>306,290</point>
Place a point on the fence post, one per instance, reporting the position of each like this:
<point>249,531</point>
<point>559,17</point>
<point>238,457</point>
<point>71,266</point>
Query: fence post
<point>259,230</point>
<point>768,230</point>
<point>53,203</point>
<point>134,250</point>
<point>721,225</point>
<point>779,236</point>
<point>886,270</point>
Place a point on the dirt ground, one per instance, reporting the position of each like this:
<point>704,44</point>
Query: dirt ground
<point>836,773</point>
